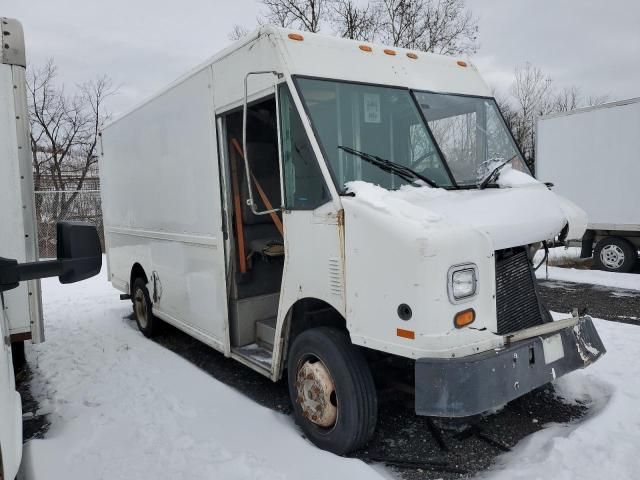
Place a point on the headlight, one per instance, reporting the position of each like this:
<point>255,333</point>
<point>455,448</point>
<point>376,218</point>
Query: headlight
<point>463,282</point>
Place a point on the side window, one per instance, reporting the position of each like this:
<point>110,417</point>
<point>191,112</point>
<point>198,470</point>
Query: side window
<point>304,186</point>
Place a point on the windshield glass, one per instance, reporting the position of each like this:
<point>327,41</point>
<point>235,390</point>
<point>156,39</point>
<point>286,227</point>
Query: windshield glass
<point>471,135</point>
<point>377,121</point>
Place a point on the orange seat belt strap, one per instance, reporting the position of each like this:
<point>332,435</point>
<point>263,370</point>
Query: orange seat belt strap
<point>263,196</point>
<point>237,207</point>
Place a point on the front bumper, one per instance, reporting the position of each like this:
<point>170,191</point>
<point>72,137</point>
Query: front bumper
<point>460,387</point>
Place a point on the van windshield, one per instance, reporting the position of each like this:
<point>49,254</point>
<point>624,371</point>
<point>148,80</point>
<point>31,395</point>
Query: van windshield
<point>471,135</point>
<point>353,121</point>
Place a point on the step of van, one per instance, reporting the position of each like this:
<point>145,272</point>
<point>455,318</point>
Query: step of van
<point>266,332</point>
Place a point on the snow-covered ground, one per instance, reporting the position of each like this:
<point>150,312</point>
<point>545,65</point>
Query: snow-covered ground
<point>605,444</point>
<point>561,255</point>
<point>123,407</point>
<point>628,281</point>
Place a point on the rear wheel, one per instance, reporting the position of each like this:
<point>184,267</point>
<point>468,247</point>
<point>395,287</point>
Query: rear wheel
<point>332,390</point>
<point>142,308</point>
<point>615,254</point>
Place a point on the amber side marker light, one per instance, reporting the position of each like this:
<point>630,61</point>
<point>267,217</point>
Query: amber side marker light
<point>410,334</point>
<point>464,318</point>
<point>461,63</point>
<point>365,48</point>
<point>412,56</point>
<point>389,51</point>
<point>296,36</point>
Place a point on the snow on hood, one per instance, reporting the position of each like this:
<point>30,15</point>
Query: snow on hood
<point>510,177</point>
<point>509,216</point>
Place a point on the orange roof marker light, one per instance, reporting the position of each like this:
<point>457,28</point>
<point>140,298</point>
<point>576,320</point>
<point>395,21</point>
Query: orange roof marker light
<point>412,56</point>
<point>365,48</point>
<point>296,36</point>
<point>461,63</point>
<point>388,51</point>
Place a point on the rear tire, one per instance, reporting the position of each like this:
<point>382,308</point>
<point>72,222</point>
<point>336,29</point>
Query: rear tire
<point>332,391</point>
<point>615,254</point>
<point>143,309</point>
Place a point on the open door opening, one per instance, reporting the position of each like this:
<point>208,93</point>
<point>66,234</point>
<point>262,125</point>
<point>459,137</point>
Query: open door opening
<point>258,241</point>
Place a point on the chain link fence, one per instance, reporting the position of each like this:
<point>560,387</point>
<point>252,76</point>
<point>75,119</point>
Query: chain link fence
<point>53,206</point>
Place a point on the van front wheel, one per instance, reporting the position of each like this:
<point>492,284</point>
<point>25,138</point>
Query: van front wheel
<point>142,308</point>
<point>332,390</point>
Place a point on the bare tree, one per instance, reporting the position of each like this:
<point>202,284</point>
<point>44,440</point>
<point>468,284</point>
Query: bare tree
<point>238,32</point>
<point>354,22</point>
<point>301,14</point>
<point>569,98</point>
<point>439,26</point>
<point>592,100</point>
<point>532,94</point>
<point>64,137</point>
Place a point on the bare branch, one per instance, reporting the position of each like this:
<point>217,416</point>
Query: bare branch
<point>64,130</point>
<point>238,32</point>
<point>357,23</point>
<point>440,26</point>
<point>301,14</point>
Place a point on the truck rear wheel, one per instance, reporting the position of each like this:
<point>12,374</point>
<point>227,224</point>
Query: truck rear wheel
<point>332,390</point>
<point>615,254</point>
<point>142,308</point>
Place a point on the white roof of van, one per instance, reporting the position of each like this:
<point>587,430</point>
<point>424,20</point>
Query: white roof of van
<point>340,58</point>
<point>325,56</point>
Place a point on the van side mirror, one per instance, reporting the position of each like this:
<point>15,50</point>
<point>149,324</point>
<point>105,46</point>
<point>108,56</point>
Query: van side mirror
<point>79,257</point>
<point>79,246</point>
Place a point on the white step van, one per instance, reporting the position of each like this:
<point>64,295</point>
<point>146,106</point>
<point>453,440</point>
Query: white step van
<point>318,208</point>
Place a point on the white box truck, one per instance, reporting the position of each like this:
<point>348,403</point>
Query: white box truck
<point>325,207</point>
<point>592,156</point>
<point>79,251</point>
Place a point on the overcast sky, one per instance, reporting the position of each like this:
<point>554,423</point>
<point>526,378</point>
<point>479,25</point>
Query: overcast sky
<point>145,44</point>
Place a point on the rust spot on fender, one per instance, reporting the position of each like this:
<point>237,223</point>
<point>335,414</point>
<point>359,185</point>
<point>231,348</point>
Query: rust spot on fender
<point>340,218</point>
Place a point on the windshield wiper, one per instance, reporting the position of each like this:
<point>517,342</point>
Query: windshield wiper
<point>494,173</point>
<point>401,171</point>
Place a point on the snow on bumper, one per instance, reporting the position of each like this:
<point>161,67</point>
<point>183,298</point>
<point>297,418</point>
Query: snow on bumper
<point>460,387</point>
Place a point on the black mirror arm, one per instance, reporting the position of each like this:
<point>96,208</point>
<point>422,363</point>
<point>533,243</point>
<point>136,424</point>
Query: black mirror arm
<point>12,272</point>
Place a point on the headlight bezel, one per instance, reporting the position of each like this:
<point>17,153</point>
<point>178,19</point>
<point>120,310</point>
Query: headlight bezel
<point>461,268</point>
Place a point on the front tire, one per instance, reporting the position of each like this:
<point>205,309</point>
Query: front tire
<point>615,254</point>
<point>143,309</point>
<point>332,390</point>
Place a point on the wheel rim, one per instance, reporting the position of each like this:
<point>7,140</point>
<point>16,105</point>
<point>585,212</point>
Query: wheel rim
<point>317,393</point>
<point>140,303</point>
<point>612,256</point>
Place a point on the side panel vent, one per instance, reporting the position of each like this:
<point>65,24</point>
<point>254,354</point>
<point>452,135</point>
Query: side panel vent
<point>336,276</point>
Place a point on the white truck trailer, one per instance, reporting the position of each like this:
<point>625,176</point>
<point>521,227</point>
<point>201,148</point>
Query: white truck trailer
<point>79,248</point>
<point>324,207</point>
<point>592,156</point>
<point>21,309</point>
